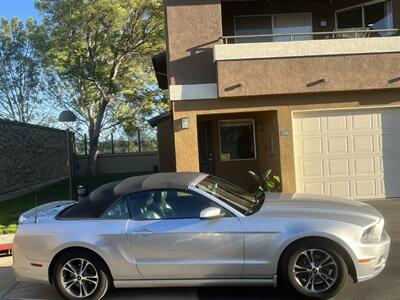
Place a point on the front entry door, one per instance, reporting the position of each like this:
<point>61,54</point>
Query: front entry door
<point>206,153</point>
<point>170,241</point>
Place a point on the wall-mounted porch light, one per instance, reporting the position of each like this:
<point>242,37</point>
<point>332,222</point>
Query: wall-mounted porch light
<point>185,123</point>
<point>323,23</point>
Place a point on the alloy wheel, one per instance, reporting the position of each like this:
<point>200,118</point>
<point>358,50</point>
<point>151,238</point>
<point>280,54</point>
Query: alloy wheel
<point>315,270</point>
<point>79,277</point>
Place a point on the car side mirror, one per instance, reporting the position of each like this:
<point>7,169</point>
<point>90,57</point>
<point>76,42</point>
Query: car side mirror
<point>211,213</point>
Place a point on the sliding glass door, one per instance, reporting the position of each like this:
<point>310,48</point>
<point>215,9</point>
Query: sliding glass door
<point>281,26</point>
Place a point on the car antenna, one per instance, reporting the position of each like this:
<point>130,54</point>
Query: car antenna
<point>36,210</point>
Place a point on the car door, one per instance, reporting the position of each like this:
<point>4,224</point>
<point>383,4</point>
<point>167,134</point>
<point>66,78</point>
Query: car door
<point>170,241</point>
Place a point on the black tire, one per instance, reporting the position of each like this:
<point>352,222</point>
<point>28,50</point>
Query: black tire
<point>323,288</point>
<point>95,268</point>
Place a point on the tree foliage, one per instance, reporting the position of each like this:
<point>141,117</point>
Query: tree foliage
<point>22,79</point>
<point>101,50</point>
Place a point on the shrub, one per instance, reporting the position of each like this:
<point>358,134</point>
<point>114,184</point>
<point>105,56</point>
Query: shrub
<point>267,182</point>
<point>12,228</point>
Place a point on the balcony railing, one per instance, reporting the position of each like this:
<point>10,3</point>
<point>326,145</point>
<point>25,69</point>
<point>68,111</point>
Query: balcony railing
<point>289,37</point>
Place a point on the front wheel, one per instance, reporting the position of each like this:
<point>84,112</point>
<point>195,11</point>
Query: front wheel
<point>81,276</point>
<point>314,270</point>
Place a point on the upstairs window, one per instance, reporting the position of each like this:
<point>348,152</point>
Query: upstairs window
<point>281,26</point>
<point>378,15</point>
<point>253,25</point>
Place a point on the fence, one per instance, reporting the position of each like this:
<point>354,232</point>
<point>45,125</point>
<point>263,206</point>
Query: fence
<point>30,156</point>
<point>119,145</point>
<point>121,163</point>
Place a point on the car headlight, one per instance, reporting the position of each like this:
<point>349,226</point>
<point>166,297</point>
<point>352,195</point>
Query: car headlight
<point>373,233</point>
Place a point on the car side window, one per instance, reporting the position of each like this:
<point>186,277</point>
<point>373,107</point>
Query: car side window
<point>118,210</point>
<point>168,204</point>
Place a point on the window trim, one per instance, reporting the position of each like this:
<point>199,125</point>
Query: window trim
<point>254,139</point>
<point>229,213</point>
<point>362,5</point>
<point>273,20</point>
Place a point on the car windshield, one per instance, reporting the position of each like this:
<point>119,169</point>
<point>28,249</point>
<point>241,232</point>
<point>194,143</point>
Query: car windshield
<point>232,195</point>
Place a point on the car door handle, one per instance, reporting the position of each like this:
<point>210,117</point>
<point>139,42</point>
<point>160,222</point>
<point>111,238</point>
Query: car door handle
<point>143,233</point>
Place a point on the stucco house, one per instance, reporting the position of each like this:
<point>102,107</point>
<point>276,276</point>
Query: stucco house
<point>310,89</point>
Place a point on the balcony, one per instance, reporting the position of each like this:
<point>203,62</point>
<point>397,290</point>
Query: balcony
<point>308,63</point>
<point>271,47</point>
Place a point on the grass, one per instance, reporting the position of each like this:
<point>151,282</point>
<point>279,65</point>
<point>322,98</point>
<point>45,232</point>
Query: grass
<point>10,210</point>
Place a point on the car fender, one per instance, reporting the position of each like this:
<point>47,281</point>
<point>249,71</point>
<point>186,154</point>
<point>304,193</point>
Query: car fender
<point>314,234</point>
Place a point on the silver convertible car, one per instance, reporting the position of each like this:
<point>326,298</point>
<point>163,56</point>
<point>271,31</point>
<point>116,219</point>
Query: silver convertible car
<point>193,229</point>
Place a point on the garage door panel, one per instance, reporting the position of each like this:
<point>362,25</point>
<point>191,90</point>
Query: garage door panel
<point>311,125</point>
<point>338,167</point>
<point>365,166</point>
<point>365,188</point>
<point>314,188</point>
<point>362,122</point>
<point>312,146</point>
<point>336,123</point>
<point>313,168</point>
<point>353,154</point>
<point>340,189</point>
<point>363,143</point>
<point>337,144</point>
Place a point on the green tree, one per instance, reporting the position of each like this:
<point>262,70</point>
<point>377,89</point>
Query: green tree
<point>101,50</point>
<point>22,79</point>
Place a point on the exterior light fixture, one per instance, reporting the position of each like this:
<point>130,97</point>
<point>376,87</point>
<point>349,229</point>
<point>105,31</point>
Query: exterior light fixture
<point>67,116</point>
<point>185,123</point>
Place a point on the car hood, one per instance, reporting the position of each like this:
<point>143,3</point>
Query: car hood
<point>321,207</point>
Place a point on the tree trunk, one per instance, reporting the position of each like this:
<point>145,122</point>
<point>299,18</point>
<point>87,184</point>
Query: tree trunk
<point>94,134</point>
<point>92,157</point>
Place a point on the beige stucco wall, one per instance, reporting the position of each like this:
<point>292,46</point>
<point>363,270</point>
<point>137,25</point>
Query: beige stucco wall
<point>308,74</point>
<point>193,28</point>
<point>186,139</point>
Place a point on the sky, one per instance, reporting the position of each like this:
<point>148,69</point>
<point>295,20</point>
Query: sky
<point>22,9</point>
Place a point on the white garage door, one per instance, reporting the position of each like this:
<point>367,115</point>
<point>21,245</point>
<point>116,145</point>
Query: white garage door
<point>354,154</point>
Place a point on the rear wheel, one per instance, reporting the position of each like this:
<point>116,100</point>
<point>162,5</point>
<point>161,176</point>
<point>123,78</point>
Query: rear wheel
<point>81,276</point>
<point>314,270</point>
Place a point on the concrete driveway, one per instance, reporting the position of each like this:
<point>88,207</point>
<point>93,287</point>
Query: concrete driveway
<point>386,286</point>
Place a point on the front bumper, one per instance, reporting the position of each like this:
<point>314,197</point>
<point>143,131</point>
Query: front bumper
<point>29,270</point>
<point>371,258</point>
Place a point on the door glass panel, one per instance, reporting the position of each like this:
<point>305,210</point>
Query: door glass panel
<point>351,18</point>
<point>253,25</point>
<point>296,23</point>
<point>167,204</point>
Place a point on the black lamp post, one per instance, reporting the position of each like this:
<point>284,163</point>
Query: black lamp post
<point>68,116</point>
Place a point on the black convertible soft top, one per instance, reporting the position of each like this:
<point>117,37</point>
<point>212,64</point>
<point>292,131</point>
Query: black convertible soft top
<point>103,197</point>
